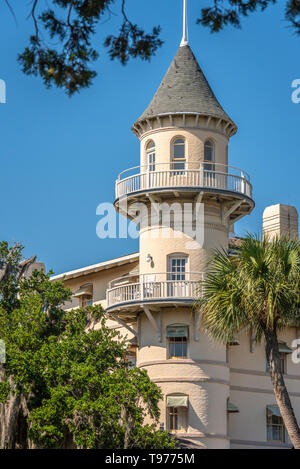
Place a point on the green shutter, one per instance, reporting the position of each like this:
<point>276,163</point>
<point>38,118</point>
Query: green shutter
<point>177,330</point>
<point>233,341</point>
<point>231,408</point>
<point>283,348</point>
<point>177,400</point>
<point>274,410</point>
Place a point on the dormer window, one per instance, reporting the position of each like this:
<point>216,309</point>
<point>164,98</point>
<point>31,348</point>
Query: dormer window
<point>178,154</point>
<point>209,155</point>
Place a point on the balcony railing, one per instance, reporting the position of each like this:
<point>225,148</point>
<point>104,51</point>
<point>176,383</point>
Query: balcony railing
<point>164,286</point>
<point>194,175</point>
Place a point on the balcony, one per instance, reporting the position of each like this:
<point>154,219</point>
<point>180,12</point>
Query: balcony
<point>162,288</point>
<point>210,177</point>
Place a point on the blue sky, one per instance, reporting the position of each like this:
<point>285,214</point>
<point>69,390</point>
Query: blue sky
<point>60,156</point>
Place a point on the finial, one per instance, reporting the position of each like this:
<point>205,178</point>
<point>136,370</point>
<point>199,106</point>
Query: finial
<point>185,37</point>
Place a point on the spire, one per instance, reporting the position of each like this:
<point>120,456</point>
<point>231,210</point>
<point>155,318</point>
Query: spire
<point>185,36</point>
<point>184,90</point>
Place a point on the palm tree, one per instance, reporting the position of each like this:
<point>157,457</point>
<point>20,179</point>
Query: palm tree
<point>256,286</point>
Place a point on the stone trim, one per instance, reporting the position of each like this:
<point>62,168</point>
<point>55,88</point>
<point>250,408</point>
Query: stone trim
<point>149,132</point>
<point>187,435</point>
<point>260,373</point>
<point>269,444</point>
<point>184,361</point>
<point>262,391</point>
<point>191,380</point>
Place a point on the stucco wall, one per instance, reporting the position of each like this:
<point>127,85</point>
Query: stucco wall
<point>100,281</point>
<point>203,376</point>
<point>195,139</point>
<point>252,391</point>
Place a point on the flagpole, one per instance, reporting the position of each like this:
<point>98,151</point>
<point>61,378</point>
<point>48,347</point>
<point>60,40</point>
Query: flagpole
<point>185,38</point>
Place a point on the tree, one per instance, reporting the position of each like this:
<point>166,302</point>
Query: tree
<point>72,25</point>
<point>67,64</point>
<point>65,383</point>
<point>258,286</point>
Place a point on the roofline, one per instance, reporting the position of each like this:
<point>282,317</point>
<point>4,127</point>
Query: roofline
<point>187,113</point>
<point>139,124</point>
<point>97,267</point>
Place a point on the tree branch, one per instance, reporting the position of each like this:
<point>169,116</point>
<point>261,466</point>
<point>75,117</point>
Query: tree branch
<point>32,14</point>
<point>69,14</point>
<point>12,11</point>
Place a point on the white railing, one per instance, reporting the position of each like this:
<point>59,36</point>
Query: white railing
<point>198,175</point>
<point>160,286</point>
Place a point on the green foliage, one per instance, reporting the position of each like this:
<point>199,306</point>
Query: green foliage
<point>10,257</point>
<point>60,50</point>
<point>227,12</point>
<point>72,24</point>
<point>257,286</point>
<point>4,392</point>
<point>79,388</point>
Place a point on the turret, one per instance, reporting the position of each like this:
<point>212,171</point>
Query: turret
<point>184,171</point>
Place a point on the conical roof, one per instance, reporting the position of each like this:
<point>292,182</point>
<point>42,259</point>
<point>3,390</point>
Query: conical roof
<point>184,89</point>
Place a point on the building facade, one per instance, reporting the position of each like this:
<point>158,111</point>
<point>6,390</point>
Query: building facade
<point>188,198</point>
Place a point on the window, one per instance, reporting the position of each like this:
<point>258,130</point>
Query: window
<point>177,347</point>
<point>275,425</point>
<point>177,335</point>
<point>150,150</point>
<point>131,356</point>
<point>209,155</point>
<point>85,295</point>
<point>282,363</point>
<point>178,154</point>
<point>284,350</point>
<point>177,267</point>
<point>86,301</point>
<point>177,409</point>
<point>177,270</point>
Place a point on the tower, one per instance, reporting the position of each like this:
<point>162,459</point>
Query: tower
<point>184,172</point>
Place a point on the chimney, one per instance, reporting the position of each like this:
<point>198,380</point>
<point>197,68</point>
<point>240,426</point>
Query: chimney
<point>35,266</point>
<point>280,220</point>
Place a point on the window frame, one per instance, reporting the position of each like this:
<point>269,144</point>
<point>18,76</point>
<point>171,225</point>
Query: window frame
<point>88,298</point>
<point>178,160</point>
<point>283,363</point>
<point>209,165</point>
<point>130,355</point>
<point>270,426</point>
<point>177,256</point>
<point>172,340</point>
<point>179,412</point>
<point>150,149</point>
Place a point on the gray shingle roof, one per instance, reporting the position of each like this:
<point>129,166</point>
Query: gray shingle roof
<point>184,89</point>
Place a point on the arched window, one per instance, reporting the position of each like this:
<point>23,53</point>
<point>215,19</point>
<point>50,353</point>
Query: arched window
<point>150,151</point>
<point>177,410</point>
<point>178,154</point>
<point>209,155</point>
